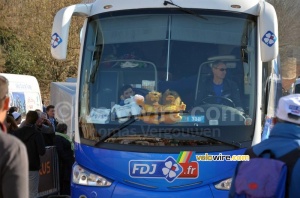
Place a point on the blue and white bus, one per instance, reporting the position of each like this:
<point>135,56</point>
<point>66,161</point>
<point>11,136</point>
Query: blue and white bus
<point>190,148</point>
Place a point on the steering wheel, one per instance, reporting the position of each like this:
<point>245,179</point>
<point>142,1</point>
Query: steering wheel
<point>214,99</point>
<point>224,115</point>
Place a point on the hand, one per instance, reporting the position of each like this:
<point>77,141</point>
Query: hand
<point>47,122</point>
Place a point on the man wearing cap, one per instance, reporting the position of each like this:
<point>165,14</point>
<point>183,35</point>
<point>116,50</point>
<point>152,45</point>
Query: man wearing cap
<point>13,160</point>
<point>284,138</point>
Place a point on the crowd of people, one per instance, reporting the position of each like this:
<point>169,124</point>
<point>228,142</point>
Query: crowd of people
<point>23,142</point>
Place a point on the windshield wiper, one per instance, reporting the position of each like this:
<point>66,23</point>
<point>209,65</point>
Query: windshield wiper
<point>233,144</point>
<point>184,9</point>
<point>131,120</point>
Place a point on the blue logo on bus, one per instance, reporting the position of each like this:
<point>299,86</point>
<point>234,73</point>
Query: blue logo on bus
<point>55,40</point>
<point>269,38</point>
<point>168,169</point>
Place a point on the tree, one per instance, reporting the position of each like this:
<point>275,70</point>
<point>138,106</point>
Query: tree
<point>288,25</point>
<point>25,37</point>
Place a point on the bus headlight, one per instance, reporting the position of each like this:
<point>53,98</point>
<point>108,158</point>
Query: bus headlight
<point>84,177</point>
<point>224,185</point>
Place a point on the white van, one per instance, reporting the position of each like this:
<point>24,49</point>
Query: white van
<point>24,92</point>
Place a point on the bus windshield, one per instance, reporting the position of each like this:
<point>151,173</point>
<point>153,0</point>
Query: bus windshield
<point>160,77</point>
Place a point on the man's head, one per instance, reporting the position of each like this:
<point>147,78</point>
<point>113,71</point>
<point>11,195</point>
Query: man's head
<point>12,109</point>
<point>4,98</point>
<point>50,110</point>
<point>219,70</point>
<point>288,108</point>
<point>62,128</point>
<point>126,91</point>
<point>31,117</point>
<point>42,117</point>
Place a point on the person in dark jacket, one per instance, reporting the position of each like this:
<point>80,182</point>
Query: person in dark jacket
<point>218,89</point>
<point>35,145</point>
<point>11,124</point>
<point>13,160</point>
<point>50,110</point>
<point>65,147</point>
<point>284,138</point>
<point>44,126</point>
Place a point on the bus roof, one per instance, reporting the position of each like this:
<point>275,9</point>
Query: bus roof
<point>250,7</point>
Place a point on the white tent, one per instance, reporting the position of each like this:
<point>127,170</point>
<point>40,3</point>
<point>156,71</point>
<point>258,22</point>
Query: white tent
<point>62,96</point>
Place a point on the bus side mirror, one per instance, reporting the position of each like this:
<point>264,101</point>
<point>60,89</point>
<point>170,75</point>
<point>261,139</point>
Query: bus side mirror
<point>268,32</point>
<point>61,26</point>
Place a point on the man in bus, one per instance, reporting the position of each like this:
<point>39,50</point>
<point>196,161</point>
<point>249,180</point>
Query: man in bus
<point>125,93</point>
<point>218,89</point>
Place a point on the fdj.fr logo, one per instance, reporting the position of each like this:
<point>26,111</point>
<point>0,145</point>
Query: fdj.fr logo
<point>169,169</point>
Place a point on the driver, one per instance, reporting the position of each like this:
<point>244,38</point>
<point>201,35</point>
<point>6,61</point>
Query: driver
<point>218,87</point>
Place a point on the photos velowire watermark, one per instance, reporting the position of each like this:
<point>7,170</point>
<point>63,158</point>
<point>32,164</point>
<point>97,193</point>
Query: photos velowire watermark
<point>221,157</point>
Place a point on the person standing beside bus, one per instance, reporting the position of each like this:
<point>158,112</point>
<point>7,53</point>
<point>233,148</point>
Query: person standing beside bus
<point>13,160</point>
<point>284,144</point>
<point>35,145</point>
<point>11,124</point>
<point>65,151</point>
<point>44,126</point>
<point>50,110</point>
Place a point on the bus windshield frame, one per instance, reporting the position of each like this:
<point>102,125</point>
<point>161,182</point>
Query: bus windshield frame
<point>166,52</point>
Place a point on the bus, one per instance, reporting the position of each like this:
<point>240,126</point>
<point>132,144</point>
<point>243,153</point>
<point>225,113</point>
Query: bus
<point>166,140</point>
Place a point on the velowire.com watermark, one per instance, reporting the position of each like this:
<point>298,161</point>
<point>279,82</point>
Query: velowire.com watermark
<point>221,157</point>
